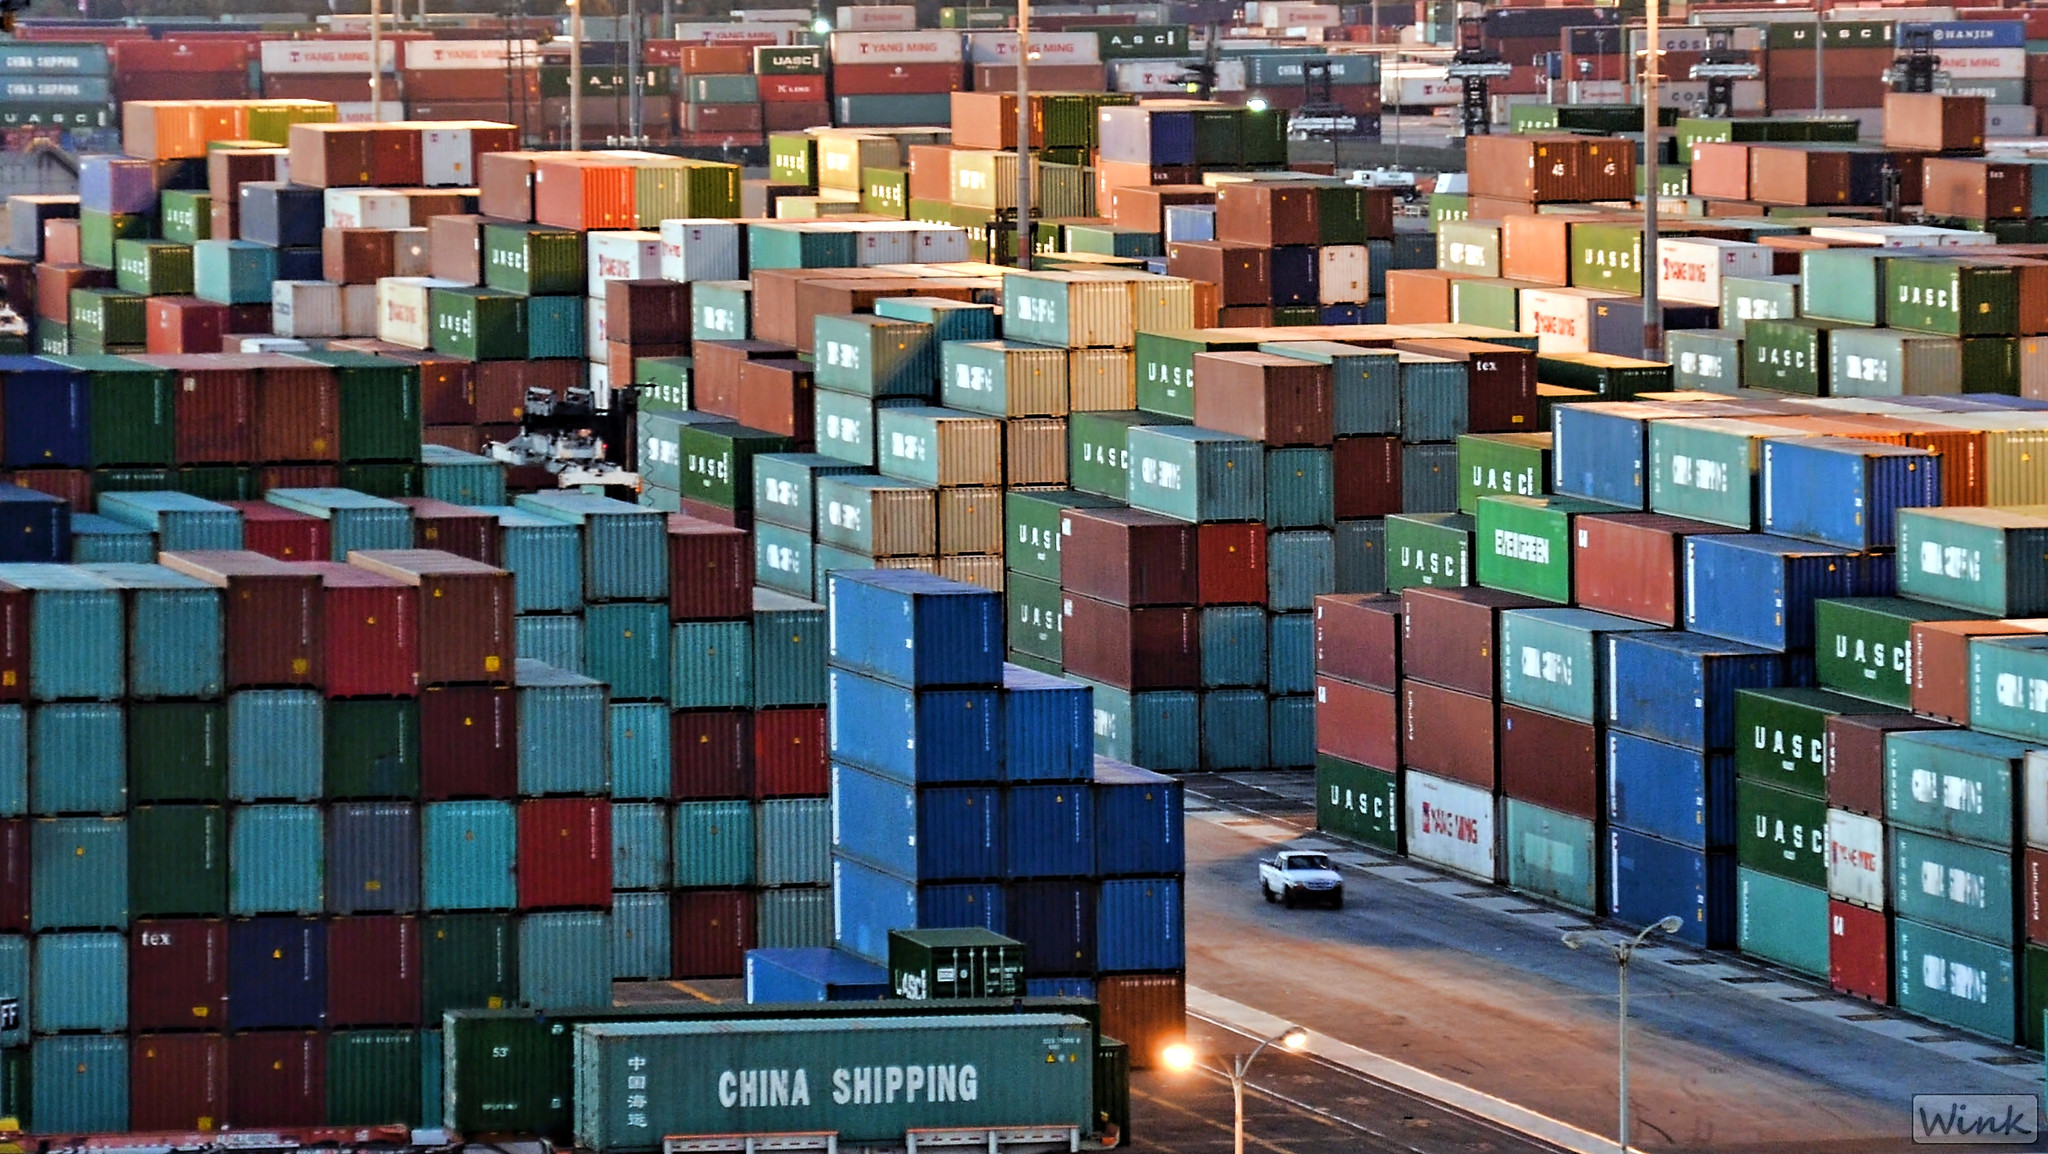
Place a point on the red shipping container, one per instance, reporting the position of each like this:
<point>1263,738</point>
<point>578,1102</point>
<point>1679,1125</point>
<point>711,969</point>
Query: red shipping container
<point>1368,476</point>
<point>273,617</point>
<point>1449,734</point>
<point>178,1082</point>
<point>2035,866</point>
<point>181,55</point>
<point>185,325</point>
<point>792,89</point>
<point>469,742</point>
<point>447,389</point>
<point>1860,952</point>
<point>710,933</point>
<point>646,311</point>
<point>270,477</point>
<point>784,116</point>
<point>1854,758</point>
<point>465,613</point>
<point>1941,662</point>
<point>722,117</point>
<point>896,79</point>
<point>277,1078</point>
<point>1632,564</point>
<point>14,636</point>
<point>214,418</point>
<point>1230,566</point>
<point>178,975</point>
<point>711,571</point>
<point>1358,724</point>
<point>711,754</point>
<point>790,754</point>
<point>70,485</point>
<point>1551,761</point>
<point>1128,557</point>
<point>715,378</point>
<point>459,529</point>
<point>1447,636</point>
<point>14,887</point>
<point>297,414</point>
<point>1152,648</point>
<point>373,971</point>
<point>716,514</point>
<point>1358,638</point>
<point>776,396</point>
<point>373,633</point>
<point>565,854</point>
<point>395,160</point>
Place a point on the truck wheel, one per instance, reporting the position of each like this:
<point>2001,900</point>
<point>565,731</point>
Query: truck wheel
<point>1287,897</point>
<point>1266,891</point>
<point>1337,902</point>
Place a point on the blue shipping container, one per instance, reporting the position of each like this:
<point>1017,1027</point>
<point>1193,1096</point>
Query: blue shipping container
<point>50,421</point>
<point>34,527</point>
<point>77,623</point>
<point>640,846</point>
<point>174,631</point>
<point>949,833</point>
<point>1680,795</point>
<point>1156,729</point>
<point>561,731</point>
<point>276,743</point>
<point>1049,831</point>
<point>1056,922</point>
<point>1597,451</point>
<point>954,735</point>
<point>1680,688</point>
<point>1047,727</point>
<point>1138,926</point>
<point>812,975</point>
<point>1649,879</point>
<point>545,558</point>
<point>916,630</point>
<point>1060,988</point>
<point>1760,590</point>
<point>1233,643</point>
<point>1839,491</point>
<point>1138,821</point>
<point>625,547</point>
<point>277,974</point>
<point>1291,731</point>
<point>14,989</point>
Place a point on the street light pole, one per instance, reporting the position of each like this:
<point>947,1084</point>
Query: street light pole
<point>1646,260</point>
<point>1293,1037</point>
<point>575,75</point>
<point>1023,136</point>
<point>1624,953</point>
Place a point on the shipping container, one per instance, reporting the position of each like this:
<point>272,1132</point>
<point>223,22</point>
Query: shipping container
<point>1650,878</point>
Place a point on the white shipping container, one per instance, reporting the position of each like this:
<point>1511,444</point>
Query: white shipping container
<point>297,57</point>
<point>1561,320</point>
<point>272,345</point>
<point>2010,121</point>
<point>595,331</point>
<point>1046,48</point>
<point>363,112</point>
<point>897,48</point>
<point>1690,268</point>
<point>1984,63</point>
<point>1291,15</point>
<point>1451,824</point>
<point>1411,87</point>
<point>876,18</point>
<point>694,250</point>
<point>600,378</point>
<point>1856,858</point>
<point>1599,92</point>
<point>725,32</point>
<point>1905,236</point>
<point>938,244</point>
<point>448,154</point>
<point>881,244</point>
<point>404,312</point>
<point>367,208</point>
<point>1149,77</point>
<point>622,256</point>
<point>305,308</point>
<point>1344,275</point>
<point>359,310</point>
<point>2034,805</point>
<point>470,55</point>
<point>1690,96</point>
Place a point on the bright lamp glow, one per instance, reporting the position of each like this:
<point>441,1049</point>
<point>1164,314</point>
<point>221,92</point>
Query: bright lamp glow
<point>821,26</point>
<point>1256,104</point>
<point>1179,1056</point>
<point>1295,1038</point>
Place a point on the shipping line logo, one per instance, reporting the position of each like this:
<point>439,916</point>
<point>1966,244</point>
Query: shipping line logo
<point>1975,1119</point>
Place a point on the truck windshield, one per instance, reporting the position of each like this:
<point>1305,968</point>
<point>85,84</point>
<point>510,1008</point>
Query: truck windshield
<point>1305,861</point>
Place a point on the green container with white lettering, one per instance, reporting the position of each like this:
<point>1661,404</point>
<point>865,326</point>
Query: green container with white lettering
<point>1034,525</point>
<point>1098,450</point>
<point>1036,616</point>
<point>1781,735</point>
<point>1955,298</point>
<point>1757,298</point>
<point>782,559</point>
<point>481,324</point>
<point>153,267</point>
<point>786,485</point>
<point>1523,544</point>
<point>793,159</point>
<point>845,426</point>
<point>944,448</point>
<point>1956,979</point>
<point>1975,894</point>
<point>1166,368</point>
<point>1003,378</point>
<point>2009,686</point>
<point>664,384</point>
<point>1704,360</point>
<point>1501,464</point>
<point>1469,246</point>
<point>1863,646</point>
<point>873,356</point>
<point>1195,474</point>
<point>108,317</point>
<point>187,215</point>
<point>1843,284</point>
<point>718,462</point>
<point>1428,550</point>
<point>1358,802</point>
<point>1707,469</point>
<point>1608,257</point>
<point>1782,921</point>
<point>1553,660</point>
<point>1786,356</point>
<point>1983,772</point>
<point>1990,561</point>
<point>1781,832</point>
<point>534,259</point>
<point>720,310</point>
<point>885,192</point>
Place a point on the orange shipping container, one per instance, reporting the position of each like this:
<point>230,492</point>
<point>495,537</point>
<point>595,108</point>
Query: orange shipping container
<point>1536,248</point>
<point>583,193</point>
<point>1797,176</point>
<point>170,129</point>
<point>330,155</point>
<point>988,120</point>
<point>1933,121</point>
<point>715,59</point>
<point>1419,296</point>
<point>1720,170</point>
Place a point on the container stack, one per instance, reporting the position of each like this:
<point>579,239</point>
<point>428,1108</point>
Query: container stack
<point>62,93</point>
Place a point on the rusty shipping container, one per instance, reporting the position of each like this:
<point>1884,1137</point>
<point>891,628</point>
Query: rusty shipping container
<point>466,633</point>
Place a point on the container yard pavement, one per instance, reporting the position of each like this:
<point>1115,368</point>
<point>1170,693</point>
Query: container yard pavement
<point>1470,983</point>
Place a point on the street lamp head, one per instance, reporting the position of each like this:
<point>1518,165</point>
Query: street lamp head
<point>1576,940</point>
<point>1294,1038</point>
<point>1179,1056</point>
<point>821,26</point>
<point>1256,104</point>
<point>1672,924</point>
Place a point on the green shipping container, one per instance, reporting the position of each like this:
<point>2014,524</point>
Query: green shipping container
<point>1358,802</point>
<point>1863,645</point>
<point>373,748</point>
<point>98,232</point>
<point>1781,833</point>
<point>1098,450</point>
<point>665,381</point>
<point>177,751</point>
<point>1494,304</point>
<point>1428,549</point>
<point>187,216</point>
<point>479,323</point>
<point>873,356</point>
<point>131,407</point>
<point>1707,469</point>
<point>792,60</point>
<point>719,310</point>
<point>177,861</point>
<point>1786,356</point>
<point>793,159</point>
<point>153,267</point>
<point>468,961</point>
<point>1706,360</point>
<point>1447,206</point>
<point>1955,298</point>
<point>1983,560</point>
<point>1469,247</point>
<point>1782,921</point>
<point>1501,464</point>
<point>534,260</point>
<point>1843,284</point>
<point>1034,525</point>
<point>1987,771</point>
<point>1956,980</point>
<point>718,462</point>
<point>108,317</point>
<point>1757,298</point>
<point>926,965</point>
<point>1166,368</point>
<point>1195,474</point>
<point>373,1077</point>
<point>1553,855</point>
<point>1523,544</point>
<point>1781,735</point>
<point>1970,889</point>
<point>845,426</point>
<point>1607,256</point>
<point>1036,616</point>
<point>885,192</point>
<point>2009,686</point>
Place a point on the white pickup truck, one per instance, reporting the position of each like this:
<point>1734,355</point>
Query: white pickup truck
<point>1292,876</point>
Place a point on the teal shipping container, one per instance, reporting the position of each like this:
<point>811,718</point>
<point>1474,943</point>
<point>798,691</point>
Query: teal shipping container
<point>872,356</point>
<point>78,873</point>
<point>796,244</point>
<point>788,651</point>
<point>81,983</point>
<point>550,638</point>
<point>233,272</point>
<point>1966,888</point>
<point>544,556</point>
<point>565,960</point>
<point>794,918</point>
<point>1290,651</point>
<point>1365,384</point>
<point>276,740</point>
<point>1300,489</point>
<point>467,853</point>
<point>792,842</point>
<point>625,645</point>
<point>783,559</point>
<point>174,630</point>
<point>1552,660</point>
<point>102,539</point>
<point>1956,980</point>
<point>1233,730</point>
<point>625,547</point>
<point>950,320</point>
<point>461,478</point>
<point>1233,642</point>
<point>276,860</point>
<point>1301,565</point>
<point>355,520</point>
<point>639,749</point>
<point>1782,921</point>
<point>785,485</point>
<point>1195,474</point>
<point>14,760</point>
<point>1291,731</point>
<point>561,731</point>
<point>77,758</point>
<point>554,328</point>
<point>180,520</point>
<point>640,937</point>
<point>714,844</point>
<point>1553,855</point>
<point>641,849</point>
<point>77,632</point>
<point>79,1083</point>
<point>713,663</point>
<point>1154,729</point>
<point>1982,770</point>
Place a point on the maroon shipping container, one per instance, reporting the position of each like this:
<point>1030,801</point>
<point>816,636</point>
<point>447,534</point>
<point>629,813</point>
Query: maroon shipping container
<point>14,887</point>
<point>447,389</point>
<point>469,742</point>
<point>501,386</point>
<point>1551,761</point>
<point>1941,663</point>
<point>1449,734</point>
<point>297,414</point>
<point>1447,636</point>
<point>1148,1011</point>
<point>775,396</point>
<point>2035,866</point>
<point>373,634</point>
<point>1860,952</point>
<point>716,514</point>
<point>73,486</point>
<point>214,418</point>
<point>373,971</point>
<point>465,613</point>
<point>791,758</point>
<point>275,626</point>
<point>277,1078</point>
<point>178,975</point>
<point>711,754</point>
<point>1368,476</point>
<point>647,311</point>
<point>459,529</point>
<point>565,853</point>
<point>1501,382</point>
<point>715,371</point>
<point>184,325</point>
<point>1358,638</point>
<point>178,1082</point>
<point>1243,275</point>
<point>1267,215</point>
<point>270,477</point>
<point>1273,399</point>
<point>1855,757</point>
<point>711,932</point>
<point>711,571</point>
<point>14,634</point>
<point>1633,564</point>
<point>1231,564</point>
<point>1358,724</point>
<point>1152,648</point>
<point>1128,557</point>
<point>505,184</point>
